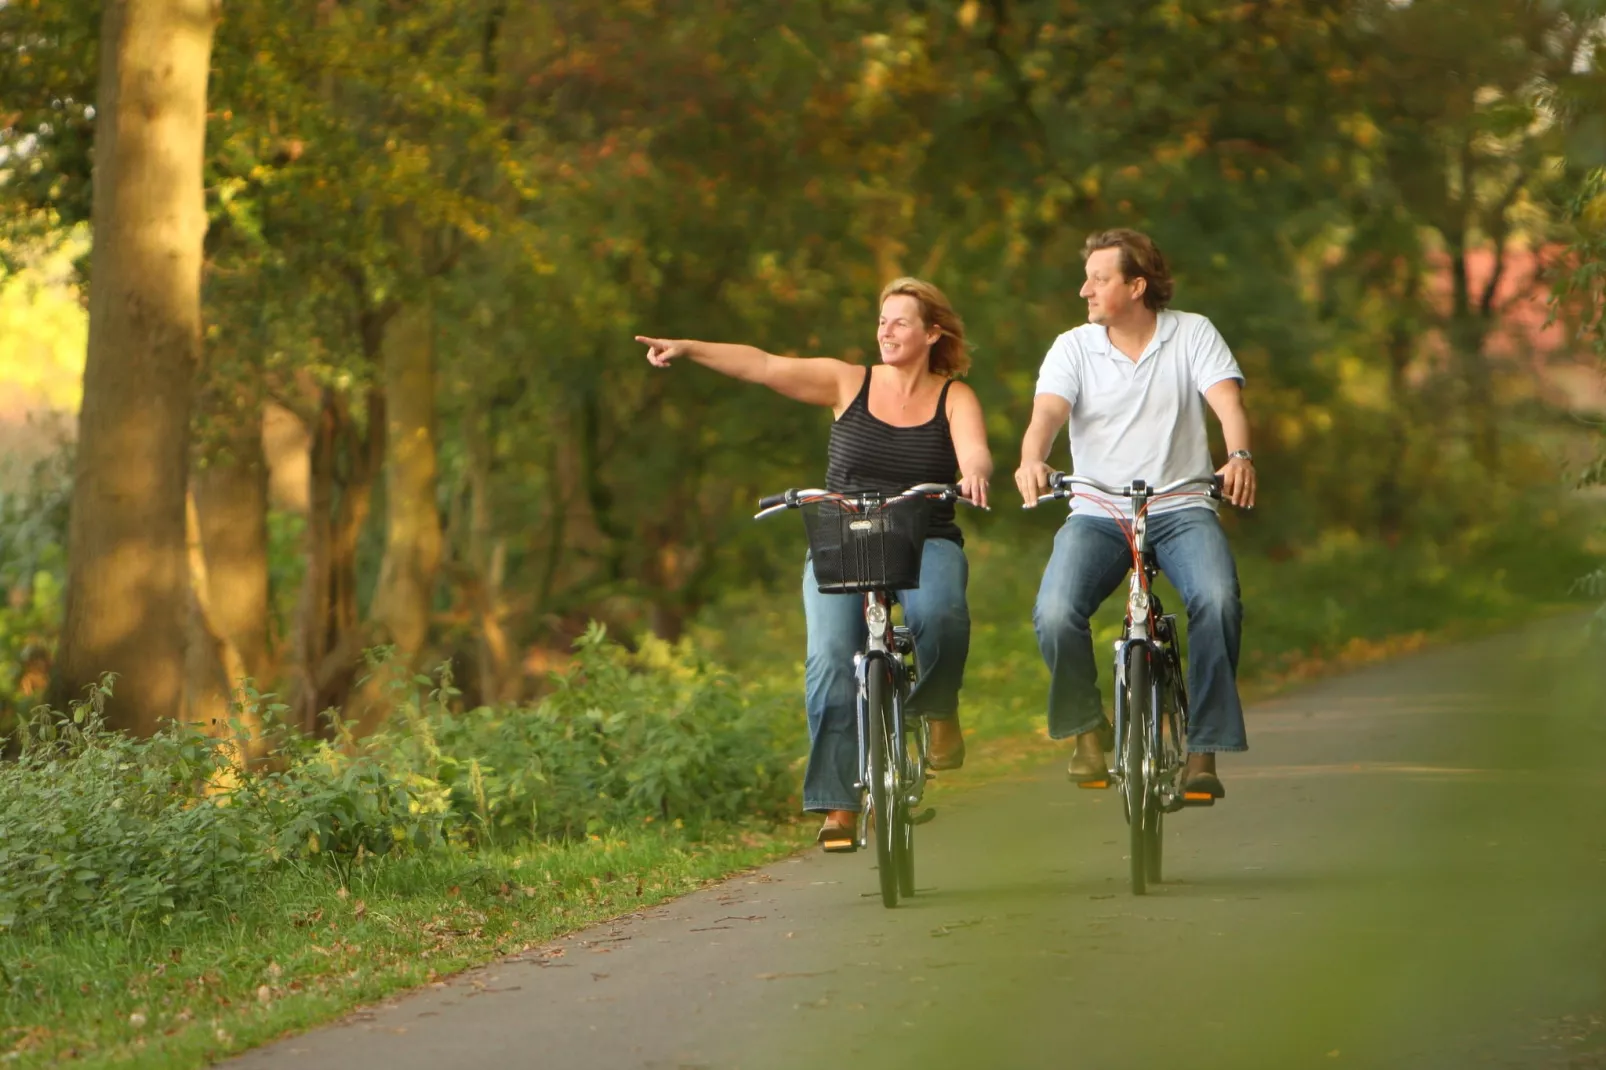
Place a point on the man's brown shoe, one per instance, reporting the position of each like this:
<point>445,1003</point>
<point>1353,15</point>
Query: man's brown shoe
<point>1087,764</point>
<point>947,743</point>
<point>1199,777</point>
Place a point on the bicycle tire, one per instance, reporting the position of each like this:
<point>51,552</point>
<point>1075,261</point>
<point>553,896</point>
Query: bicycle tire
<point>1134,784</point>
<point>908,769</point>
<point>1172,747</point>
<point>884,820</point>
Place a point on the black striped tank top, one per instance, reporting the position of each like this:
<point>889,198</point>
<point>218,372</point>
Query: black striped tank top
<point>869,454</point>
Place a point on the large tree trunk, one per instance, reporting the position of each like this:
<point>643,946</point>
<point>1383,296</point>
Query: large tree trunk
<point>128,588</point>
<point>405,592</point>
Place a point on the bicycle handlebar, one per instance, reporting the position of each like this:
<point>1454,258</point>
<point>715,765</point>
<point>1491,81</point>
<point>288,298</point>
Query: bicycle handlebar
<point>1062,484</point>
<point>792,499</point>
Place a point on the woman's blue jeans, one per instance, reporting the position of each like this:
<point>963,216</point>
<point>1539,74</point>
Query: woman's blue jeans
<point>938,616</point>
<point>1090,559</point>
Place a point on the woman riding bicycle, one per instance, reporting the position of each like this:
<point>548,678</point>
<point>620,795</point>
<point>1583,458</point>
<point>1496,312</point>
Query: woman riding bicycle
<point>902,422</point>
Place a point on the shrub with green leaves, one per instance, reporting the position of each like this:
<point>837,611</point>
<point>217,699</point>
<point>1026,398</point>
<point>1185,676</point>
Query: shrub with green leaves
<point>101,829</point>
<point>625,737</point>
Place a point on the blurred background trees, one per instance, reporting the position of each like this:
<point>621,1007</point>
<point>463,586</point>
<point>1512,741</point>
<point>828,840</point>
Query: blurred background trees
<point>433,228</point>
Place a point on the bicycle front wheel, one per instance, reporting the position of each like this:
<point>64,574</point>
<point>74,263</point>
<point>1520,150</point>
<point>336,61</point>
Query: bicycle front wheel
<point>883,793</point>
<point>909,766</point>
<point>1134,749</point>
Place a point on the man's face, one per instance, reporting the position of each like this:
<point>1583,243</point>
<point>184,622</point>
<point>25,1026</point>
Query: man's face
<point>1109,296</point>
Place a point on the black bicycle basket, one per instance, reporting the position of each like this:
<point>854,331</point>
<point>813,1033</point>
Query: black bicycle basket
<point>860,546</point>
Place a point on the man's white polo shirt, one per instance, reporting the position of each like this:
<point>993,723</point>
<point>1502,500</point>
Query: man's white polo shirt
<point>1144,419</point>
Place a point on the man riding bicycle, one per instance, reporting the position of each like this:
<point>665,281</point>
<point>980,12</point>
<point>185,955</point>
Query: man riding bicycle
<point>1133,382</point>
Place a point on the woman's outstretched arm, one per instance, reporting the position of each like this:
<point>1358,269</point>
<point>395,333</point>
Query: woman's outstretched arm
<point>812,380</point>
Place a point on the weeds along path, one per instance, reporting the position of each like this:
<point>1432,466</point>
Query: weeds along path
<point>1407,872</point>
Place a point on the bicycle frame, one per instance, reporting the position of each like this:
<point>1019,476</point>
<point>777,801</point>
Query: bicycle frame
<point>1147,626</point>
<point>893,801</point>
<point>885,651</point>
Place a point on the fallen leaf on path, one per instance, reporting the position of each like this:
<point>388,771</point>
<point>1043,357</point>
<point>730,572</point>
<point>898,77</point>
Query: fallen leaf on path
<point>785,974</point>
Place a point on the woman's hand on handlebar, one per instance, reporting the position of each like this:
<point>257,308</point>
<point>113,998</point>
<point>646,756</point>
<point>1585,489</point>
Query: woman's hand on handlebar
<point>1238,482</point>
<point>660,351</point>
<point>974,488</point>
<point>1031,479</point>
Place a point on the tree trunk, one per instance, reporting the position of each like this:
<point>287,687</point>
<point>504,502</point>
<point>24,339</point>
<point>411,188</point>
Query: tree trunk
<point>231,499</point>
<point>213,665</point>
<point>128,589</point>
<point>329,642</point>
<point>405,592</point>
<point>1468,334</point>
<point>487,559</point>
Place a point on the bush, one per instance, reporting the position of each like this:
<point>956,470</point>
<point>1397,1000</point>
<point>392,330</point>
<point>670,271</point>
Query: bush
<point>100,828</point>
<point>103,829</point>
<point>623,738</point>
<point>33,540</point>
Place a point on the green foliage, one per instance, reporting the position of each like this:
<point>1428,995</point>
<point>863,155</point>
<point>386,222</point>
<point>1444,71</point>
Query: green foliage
<point>33,543</point>
<point>1311,168</point>
<point>658,734</point>
<point>1581,296</point>
<point>102,830</point>
<point>107,830</point>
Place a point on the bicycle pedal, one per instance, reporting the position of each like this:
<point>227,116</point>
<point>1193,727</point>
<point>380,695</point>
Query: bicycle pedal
<point>1198,798</point>
<point>1093,785</point>
<point>923,816</point>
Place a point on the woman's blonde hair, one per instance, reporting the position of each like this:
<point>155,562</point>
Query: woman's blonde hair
<point>949,354</point>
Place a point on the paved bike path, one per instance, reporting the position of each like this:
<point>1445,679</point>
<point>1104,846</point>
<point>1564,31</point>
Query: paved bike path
<point>1409,871</point>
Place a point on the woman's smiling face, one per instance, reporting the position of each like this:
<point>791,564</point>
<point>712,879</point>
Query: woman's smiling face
<point>902,335</point>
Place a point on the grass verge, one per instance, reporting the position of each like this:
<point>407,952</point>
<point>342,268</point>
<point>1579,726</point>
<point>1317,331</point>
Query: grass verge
<point>318,940</point>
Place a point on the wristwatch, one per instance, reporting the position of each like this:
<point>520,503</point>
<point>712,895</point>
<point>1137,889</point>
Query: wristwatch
<point>1243,454</point>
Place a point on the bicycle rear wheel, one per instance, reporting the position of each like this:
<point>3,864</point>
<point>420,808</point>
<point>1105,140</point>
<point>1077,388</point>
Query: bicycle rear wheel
<point>1134,784</point>
<point>883,794</point>
<point>1169,745</point>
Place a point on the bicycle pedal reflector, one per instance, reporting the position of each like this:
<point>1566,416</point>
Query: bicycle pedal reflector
<point>1198,798</point>
<point>1093,785</point>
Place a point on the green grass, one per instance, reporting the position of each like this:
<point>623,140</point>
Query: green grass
<point>319,940</point>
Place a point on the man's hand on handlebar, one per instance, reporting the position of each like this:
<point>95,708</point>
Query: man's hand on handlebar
<point>1238,482</point>
<point>1031,479</point>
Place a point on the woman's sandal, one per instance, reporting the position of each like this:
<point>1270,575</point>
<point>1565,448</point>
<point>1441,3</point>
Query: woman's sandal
<point>837,837</point>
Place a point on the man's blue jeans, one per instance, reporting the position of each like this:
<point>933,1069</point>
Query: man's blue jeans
<point>1090,560</point>
<point>938,616</point>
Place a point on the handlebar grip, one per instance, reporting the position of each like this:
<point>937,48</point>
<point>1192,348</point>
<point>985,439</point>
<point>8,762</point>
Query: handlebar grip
<point>770,501</point>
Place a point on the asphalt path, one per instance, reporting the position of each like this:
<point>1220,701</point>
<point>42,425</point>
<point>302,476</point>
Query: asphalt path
<point>1409,871</point>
